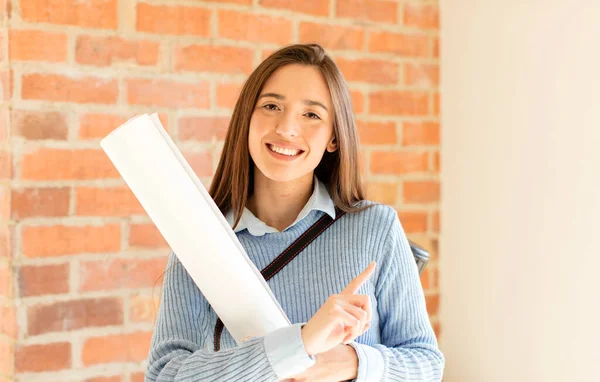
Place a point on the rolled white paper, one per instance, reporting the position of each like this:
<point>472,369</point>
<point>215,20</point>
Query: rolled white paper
<point>194,227</point>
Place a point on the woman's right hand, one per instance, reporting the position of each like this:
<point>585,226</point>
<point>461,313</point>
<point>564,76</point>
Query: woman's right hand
<point>341,319</point>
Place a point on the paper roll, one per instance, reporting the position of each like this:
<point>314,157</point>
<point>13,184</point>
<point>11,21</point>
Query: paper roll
<point>193,226</point>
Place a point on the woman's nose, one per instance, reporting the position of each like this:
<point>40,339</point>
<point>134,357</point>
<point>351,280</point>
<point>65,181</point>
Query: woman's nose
<point>287,126</point>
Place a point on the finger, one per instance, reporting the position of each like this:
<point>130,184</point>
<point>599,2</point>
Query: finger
<point>359,280</point>
<point>362,301</point>
<point>340,321</point>
<point>359,314</point>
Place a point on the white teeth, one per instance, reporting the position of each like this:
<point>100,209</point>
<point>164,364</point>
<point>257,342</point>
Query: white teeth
<point>281,150</point>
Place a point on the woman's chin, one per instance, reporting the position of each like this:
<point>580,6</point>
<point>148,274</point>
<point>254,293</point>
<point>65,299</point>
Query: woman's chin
<point>283,175</point>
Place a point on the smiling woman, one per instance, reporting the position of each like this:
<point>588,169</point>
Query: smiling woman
<point>290,164</point>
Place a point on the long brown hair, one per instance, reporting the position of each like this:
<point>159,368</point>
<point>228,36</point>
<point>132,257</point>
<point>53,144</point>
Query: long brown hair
<point>233,182</point>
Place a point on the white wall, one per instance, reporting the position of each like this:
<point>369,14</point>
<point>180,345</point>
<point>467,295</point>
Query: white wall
<point>520,246</point>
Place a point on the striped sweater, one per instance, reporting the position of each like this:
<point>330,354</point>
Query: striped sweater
<point>399,346</point>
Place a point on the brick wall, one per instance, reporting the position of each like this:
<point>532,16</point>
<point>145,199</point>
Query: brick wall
<point>79,258</point>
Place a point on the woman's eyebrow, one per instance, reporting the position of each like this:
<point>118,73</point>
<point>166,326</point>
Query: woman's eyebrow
<point>282,98</point>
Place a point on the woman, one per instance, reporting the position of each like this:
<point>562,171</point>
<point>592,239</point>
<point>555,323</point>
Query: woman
<point>290,157</point>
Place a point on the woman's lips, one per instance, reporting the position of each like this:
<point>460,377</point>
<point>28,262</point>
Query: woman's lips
<point>283,156</point>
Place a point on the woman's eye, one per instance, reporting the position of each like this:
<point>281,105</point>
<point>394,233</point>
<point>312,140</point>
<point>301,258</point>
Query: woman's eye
<point>312,115</point>
<point>270,106</point>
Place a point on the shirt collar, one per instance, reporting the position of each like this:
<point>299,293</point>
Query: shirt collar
<point>319,200</point>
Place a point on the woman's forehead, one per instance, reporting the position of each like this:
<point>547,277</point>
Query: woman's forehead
<point>298,83</point>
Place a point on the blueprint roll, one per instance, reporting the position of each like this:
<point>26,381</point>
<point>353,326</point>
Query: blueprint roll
<point>193,226</point>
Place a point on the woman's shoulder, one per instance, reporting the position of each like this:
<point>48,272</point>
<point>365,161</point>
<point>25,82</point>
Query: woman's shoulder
<point>374,214</point>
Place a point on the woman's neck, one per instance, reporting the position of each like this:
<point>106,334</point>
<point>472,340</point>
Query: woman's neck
<point>278,204</point>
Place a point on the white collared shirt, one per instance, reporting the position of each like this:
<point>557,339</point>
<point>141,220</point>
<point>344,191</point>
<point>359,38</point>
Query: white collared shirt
<point>319,200</point>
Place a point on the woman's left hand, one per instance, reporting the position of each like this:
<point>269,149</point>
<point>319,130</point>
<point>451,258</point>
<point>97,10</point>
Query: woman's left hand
<point>338,364</point>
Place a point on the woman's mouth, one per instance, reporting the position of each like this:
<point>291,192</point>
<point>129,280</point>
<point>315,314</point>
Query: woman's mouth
<point>284,151</point>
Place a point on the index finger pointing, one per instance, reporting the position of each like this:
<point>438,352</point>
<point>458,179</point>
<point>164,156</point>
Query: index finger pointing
<point>354,285</point>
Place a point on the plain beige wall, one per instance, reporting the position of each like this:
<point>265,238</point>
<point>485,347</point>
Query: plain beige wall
<point>520,245</point>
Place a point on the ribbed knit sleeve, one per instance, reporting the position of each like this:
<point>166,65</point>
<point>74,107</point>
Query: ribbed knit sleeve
<point>177,352</point>
<point>408,349</point>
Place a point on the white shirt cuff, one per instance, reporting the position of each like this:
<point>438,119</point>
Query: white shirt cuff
<point>286,353</point>
<point>370,363</point>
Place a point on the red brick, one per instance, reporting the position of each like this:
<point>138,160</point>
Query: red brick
<point>332,36</point>
<point>219,59</point>
<point>422,16</point>
<point>421,134</point>
<point>436,104</point>
<point>436,47</point>
<point>146,236</point>
<point>427,75</point>
<point>358,101</point>
<point>408,45</point>
<point>98,126</point>
<point>46,241</point>
<point>105,51</point>
<point>370,10</point>
<point>366,70</point>
<point>6,360</point>
<point>429,278</point>
<point>45,357</point>
<point>5,165</point>
<point>167,93</point>
<point>201,162</point>
<point>227,94</point>
<point>139,376</point>
<point>75,314</point>
<point>413,221</point>
<point>143,308</point>
<point>311,7</point>
<point>5,201</point>
<point>377,133</point>
<point>255,28</point>
<point>5,242</point>
<point>435,222</point>
<point>43,279</point>
<point>385,193</point>
<point>434,249</point>
<point>203,129</point>
<point>402,103</point>
<point>121,273</point>
<point>433,304</point>
<point>173,20</point>
<point>421,191</point>
<point>39,125</point>
<point>45,201</point>
<point>8,323</point>
<point>265,53</point>
<point>131,347</point>
<point>116,378</point>
<point>6,85</point>
<point>436,161</point>
<point>399,162</point>
<point>425,278</point>
<point>95,126</point>
<point>87,14</point>
<point>4,123</point>
<point>35,45</point>
<point>65,164</point>
<point>6,289</point>
<point>55,87</point>
<point>116,201</point>
<point>437,329</point>
<point>241,2</point>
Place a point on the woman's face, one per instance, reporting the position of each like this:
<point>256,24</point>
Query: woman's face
<point>292,124</point>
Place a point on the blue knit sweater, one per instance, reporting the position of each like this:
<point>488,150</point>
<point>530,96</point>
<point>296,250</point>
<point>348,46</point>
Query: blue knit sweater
<point>399,346</point>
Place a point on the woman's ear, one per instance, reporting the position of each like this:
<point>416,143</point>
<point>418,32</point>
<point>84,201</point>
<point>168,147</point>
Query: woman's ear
<point>332,145</point>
